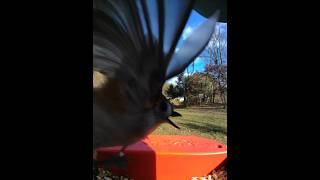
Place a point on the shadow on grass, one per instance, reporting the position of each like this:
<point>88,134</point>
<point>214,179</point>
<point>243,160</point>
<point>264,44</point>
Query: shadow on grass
<point>205,127</point>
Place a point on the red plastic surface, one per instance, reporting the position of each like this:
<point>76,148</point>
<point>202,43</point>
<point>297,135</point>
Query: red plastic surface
<point>169,157</point>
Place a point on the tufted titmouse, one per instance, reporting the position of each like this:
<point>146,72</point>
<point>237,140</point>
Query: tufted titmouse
<point>134,53</point>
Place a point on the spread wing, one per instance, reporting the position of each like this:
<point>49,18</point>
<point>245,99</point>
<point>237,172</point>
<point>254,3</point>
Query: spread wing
<point>136,39</point>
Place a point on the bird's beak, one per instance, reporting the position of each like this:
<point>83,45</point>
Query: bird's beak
<point>172,123</point>
<point>175,114</point>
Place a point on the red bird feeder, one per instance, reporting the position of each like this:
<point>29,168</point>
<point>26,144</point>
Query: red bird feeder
<point>160,157</point>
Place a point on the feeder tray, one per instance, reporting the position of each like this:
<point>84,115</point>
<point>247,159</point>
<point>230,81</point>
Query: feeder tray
<point>161,157</point>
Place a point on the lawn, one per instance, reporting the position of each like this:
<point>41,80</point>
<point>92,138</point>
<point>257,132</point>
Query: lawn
<point>205,122</point>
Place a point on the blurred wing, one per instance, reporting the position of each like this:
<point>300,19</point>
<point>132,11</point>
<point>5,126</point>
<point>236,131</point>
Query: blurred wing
<point>191,47</point>
<point>138,38</point>
<point>116,39</point>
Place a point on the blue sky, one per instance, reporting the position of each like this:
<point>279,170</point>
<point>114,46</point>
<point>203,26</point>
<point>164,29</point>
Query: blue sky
<point>195,20</point>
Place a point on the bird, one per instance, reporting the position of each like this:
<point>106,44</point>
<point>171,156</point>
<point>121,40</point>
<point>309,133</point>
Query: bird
<point>134,53</point>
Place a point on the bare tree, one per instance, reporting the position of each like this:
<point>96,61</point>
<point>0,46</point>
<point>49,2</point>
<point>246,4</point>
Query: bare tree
<point>216,66</point>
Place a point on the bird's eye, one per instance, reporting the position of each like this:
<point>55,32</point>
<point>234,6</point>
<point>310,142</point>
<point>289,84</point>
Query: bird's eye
<point>163,106</point>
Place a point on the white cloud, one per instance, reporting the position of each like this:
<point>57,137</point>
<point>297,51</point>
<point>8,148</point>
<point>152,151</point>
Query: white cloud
<point>186,73</point>
<point>173,80</point>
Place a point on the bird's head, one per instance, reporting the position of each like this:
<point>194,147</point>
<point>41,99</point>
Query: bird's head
<point>163,110</point>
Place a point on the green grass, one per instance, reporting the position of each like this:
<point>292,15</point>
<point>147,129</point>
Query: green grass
<point>204,122</point>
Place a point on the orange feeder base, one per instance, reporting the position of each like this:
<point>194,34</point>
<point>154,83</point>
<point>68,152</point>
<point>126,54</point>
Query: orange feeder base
<point>160,157</point>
